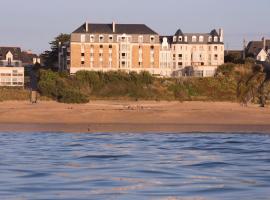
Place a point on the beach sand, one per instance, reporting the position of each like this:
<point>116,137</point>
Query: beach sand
<point>142,116</point>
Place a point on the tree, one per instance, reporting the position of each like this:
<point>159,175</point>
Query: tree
<point>50,57</point>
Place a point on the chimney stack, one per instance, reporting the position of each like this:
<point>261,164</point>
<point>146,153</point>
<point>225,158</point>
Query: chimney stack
<point>86,26</point>
<point>264,43</point>
<point>113,26</point>
<point>221,35</point>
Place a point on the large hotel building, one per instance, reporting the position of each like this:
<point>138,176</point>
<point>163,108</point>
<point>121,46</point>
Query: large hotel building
<point>136,47</point>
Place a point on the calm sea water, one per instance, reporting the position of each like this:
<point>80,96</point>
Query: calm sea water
<point>134,166</point>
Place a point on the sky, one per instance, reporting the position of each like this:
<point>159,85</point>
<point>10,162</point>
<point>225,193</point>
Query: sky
<point>32,24</point>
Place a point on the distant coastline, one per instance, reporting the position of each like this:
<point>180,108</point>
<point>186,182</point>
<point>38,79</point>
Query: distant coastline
<point>132,116</point>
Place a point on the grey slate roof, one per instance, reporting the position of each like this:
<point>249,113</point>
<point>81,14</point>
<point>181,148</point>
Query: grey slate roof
<point>16,52</point>
<point>254,47</point>
<point>119,29</point>
<point>206,36</point>
<point>179,32</point>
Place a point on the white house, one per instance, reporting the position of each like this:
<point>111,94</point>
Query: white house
<point>11,70</point>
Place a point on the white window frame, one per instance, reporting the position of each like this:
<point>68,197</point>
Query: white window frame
<point>101,38</point>
<point>92,38</point>
<point>194,38</point>
<point>152,39</point>
<point>201,38</point>
<point>83,38</point>
<point>140,39</point>
<point>110,38</point>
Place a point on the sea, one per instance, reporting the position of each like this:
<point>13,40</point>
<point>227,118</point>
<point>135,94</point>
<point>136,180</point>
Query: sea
<point>127,166</point>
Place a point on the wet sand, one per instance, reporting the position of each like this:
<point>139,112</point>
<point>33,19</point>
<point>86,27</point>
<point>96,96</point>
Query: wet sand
<point>143,116</point>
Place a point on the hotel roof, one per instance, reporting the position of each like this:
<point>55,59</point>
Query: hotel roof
<point>119,29</point>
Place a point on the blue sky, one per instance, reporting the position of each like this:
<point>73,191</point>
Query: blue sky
<point>31,24</point>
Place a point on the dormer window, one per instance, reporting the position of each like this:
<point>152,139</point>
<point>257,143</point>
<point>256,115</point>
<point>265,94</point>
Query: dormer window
<point>110,38</point>
<point>140,39</point>
<point>152,39</point>
<point>174,38</point>
<point>101,38</point>
<point>194,39</point>
<point>82,38</point>
<point>209,39</point>
<point>201,39</point>
<point>215,39</point>
<point>92,38</point>
<point>180,38</point>
<point>186,38</point>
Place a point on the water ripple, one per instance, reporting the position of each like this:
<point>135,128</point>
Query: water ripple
<point>134,166</point>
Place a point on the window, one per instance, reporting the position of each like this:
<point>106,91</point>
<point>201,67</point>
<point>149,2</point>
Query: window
<point>82,62</point>
<point>101,46</point>
<point>110,46</point>
<point>186,38</point>
<point>92,38</point>
<point>180,56</point>
<point>110,38</point>
<point>180,38</point>
<point>216,57</point>
<point>194,39</point>
<point>140,39</point>
<point>201,39</point>
<point>82,38</point>
<point>174,38</point>
<point>215,39</point>
<point>152,39</point>
<point>180,64</point>
<point>82,54</point>
<point>152,48</point>
<point>101,38</point>
<point>215,48</point>
<point>209,39</point>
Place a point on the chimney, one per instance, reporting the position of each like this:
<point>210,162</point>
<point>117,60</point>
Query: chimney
<point>264,43</point>
<point>86,26</point>
<point>113,26</point>
<point>221,35</point>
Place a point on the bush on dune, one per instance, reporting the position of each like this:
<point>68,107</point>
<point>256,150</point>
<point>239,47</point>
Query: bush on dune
<point>232,82</point>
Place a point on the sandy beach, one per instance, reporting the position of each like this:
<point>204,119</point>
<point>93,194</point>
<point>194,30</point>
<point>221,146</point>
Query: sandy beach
<point>145,116</point>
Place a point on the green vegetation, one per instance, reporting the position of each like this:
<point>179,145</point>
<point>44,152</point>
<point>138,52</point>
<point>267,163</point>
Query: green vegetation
<point>86,85</point>
<point>244,83</point>
<point>50,58</point>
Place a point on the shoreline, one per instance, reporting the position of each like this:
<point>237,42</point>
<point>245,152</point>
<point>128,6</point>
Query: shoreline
<point>134,128</point>
<point>133,117</point>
